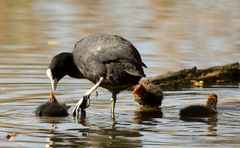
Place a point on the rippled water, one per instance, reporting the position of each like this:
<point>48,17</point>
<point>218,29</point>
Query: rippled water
<point>169,34</point>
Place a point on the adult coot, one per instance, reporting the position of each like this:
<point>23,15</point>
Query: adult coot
<point>201,111</point>
<point>109,61</point>
<point>147,94</point>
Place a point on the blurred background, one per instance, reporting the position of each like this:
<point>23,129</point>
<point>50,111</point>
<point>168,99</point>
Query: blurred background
<point>169,34</point>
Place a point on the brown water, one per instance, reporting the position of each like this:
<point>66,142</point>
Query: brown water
<point>169,34</point>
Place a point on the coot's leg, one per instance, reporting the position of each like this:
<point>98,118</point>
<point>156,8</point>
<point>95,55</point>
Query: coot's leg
<point>113,102</point>
<point>84,101</point>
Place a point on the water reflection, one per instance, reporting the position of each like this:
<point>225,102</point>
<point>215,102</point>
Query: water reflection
<point>210,121</point>
<point>93,137</point>
<point>82,120</point>
<point>170,35</point>
<point>147,114</point>
<point>56,139</point>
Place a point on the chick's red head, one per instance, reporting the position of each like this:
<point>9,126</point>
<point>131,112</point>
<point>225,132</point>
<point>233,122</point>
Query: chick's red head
<point>212,101</point>
<point>139,91</point>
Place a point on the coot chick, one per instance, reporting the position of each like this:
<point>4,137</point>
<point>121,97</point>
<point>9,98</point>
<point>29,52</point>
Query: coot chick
<point>201,111</point>
<point>52,108</point>
<point>148,94</point>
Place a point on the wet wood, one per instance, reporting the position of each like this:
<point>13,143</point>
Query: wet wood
<point>218,75</point>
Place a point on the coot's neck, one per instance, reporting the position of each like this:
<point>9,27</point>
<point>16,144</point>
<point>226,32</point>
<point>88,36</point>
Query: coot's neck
<point>73,70</point>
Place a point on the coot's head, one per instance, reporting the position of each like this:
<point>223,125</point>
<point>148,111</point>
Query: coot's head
<point>212,101</point>
<point>61,65</point>
<point>139,91</point>
<point>58,68</point>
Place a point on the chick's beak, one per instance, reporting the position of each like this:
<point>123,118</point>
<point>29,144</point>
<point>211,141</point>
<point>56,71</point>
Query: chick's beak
<point>51,97</point>
<point>54,81</point>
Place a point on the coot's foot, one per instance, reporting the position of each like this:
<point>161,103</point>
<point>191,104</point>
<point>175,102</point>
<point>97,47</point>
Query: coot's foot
<point>83,103</point>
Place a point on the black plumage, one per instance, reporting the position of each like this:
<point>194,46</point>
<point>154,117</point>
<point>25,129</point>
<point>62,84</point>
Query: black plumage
<point>148,95</point>
<point>111,57</point>
<point>52,109</point>
<point>109,61</point>
<point>197,111</point>
<point>201,111</point>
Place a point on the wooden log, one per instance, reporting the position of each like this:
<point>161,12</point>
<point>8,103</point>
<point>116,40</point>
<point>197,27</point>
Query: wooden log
<point>227,74</point>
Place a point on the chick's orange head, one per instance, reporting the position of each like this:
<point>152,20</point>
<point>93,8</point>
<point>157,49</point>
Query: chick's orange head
<point>212,101</point>
<point>213,97</point>
<point>139,91</point>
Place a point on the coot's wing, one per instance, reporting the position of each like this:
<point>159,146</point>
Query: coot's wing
<point>110,48</point>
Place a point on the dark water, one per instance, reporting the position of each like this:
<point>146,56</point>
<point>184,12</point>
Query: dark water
<point>169,34</point>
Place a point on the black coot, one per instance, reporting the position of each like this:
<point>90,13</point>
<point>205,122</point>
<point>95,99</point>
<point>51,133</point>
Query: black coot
<point>147,94</point>
<point>109,61</point>
<point>199,110</point>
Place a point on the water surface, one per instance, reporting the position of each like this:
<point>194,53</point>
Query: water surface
<point>169,34</point>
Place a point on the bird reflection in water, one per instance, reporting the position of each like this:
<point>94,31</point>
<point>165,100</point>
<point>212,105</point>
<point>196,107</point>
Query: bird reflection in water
<point>205,114</point>
<point>61,139</point>
<point>211,121</point>
<point>92,135</point>
<point>147,114</point>
<point>51,135</point>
